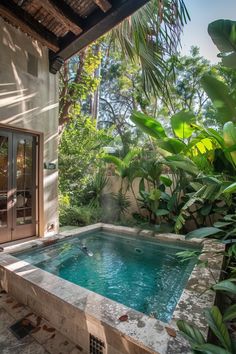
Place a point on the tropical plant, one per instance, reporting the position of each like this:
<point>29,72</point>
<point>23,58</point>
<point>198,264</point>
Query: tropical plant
<point>223,34</point>
<point>127,170</point>
<point>93,192</point>
<point>218,325</point>
<point>149,36</point>
<point>224,99</point>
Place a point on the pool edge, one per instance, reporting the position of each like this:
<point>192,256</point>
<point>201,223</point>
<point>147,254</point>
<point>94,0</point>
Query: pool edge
<point>102,314</point>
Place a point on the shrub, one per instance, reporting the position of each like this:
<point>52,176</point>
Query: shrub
<point>78,216</point>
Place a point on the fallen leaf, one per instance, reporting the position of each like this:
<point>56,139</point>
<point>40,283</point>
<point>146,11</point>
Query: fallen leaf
<point>48,329</point>
<point>171,332</point>
<point>123,318</point>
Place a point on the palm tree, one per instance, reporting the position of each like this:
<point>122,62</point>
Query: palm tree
<point>149,36</point>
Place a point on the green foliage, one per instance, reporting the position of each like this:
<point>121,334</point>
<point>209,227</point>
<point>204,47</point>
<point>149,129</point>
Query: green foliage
<point>148,38</point>
<point>230,313</point>
<point>221,98</point>
<point>225,285</point>
<point>122,166</point>
<point>171,145</point>
<point>78,216</point>
<point>229,136</point>
<point>79,162</point>
<point>149,125</point>
<point>191,333</point>
<point>218,327</point>
<point>223,34</point>
<point>203,232</point>
<point>93,192</point>
<point>183,124</point>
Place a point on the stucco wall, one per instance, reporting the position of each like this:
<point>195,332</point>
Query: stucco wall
<point>30,102</point>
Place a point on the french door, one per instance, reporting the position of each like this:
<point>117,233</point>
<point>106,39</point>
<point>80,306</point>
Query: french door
<point>18,164</point>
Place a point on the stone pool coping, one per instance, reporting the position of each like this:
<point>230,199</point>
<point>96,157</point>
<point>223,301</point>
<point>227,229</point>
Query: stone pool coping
<point>141,333</point>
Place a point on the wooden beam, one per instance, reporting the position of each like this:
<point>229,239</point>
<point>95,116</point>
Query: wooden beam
<point>69,13</point>
<point>53,9</point>
<point>19,18</point>
<point>104,5</point>
<point>97,25</point>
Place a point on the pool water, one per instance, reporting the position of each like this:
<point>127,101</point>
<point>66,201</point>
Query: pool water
<point>144,275</point>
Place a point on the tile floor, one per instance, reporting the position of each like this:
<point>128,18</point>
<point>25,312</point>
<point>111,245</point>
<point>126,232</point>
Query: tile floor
<point>44,339</point>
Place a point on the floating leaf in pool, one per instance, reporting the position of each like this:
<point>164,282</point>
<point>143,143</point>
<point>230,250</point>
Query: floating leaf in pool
<point>138,250</point>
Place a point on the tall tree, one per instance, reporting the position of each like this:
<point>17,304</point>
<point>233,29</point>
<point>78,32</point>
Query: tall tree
<point>145,38</point>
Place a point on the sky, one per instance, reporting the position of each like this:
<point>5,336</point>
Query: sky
<point>202,12</point>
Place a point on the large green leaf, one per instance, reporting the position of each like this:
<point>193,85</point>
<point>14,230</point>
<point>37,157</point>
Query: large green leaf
<point>202,144</point>
<point>229,136</point>
<point>230,313</point>
<point>218,327</point>
<point>208,348</point>
<point>225,285</point>
<point>223,34</point>
<point>161,212</point>
<point>130,155</point>
<point>148,125</point>
<point>115,160</point>
<point>203,232</point>
<point>220,96</point>
<point>166,180</point>
<point>231,188</point>
<point>183,124</point>
<point>172,145</point>
<point>183,163</point>
<point>190,332</point>
<point>229,60</point>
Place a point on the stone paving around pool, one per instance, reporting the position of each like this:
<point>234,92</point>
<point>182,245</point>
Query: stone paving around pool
<point>43,340</point>
<point>79,313</point>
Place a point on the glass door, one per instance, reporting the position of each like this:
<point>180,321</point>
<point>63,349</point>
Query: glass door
<point>17,186</point>
<point>5,188</point>
<point>24,186</point>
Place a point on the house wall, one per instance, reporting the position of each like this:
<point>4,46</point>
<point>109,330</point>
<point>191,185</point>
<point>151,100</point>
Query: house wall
<point>31,102</point>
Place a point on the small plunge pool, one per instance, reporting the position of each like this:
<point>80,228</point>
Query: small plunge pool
<point>142,274</point>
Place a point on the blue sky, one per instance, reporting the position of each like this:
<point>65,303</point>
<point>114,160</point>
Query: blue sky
<point>202,12</point>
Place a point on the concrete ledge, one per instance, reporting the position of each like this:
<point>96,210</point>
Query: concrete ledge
<point>78,312</point>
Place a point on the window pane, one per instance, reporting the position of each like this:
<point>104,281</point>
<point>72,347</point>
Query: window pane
<point>3,201</point>
<point>3,219</point>
<point>3,163</point>
<point>24,164</point>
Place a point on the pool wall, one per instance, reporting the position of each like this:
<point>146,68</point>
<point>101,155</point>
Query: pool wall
<point>79,313</point>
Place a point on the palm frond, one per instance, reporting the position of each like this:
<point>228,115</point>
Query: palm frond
<point>149,36</point>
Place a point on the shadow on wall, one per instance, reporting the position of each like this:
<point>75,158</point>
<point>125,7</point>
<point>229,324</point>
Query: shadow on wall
<point>26,99</point>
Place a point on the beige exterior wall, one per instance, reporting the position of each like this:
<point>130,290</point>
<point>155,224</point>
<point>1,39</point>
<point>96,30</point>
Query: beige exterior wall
<point>31,102</point>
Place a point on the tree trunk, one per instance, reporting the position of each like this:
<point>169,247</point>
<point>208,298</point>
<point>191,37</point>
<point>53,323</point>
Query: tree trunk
<point>68,92</point>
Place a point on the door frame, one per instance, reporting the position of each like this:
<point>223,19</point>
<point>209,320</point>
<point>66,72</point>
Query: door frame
<point>39,207</point>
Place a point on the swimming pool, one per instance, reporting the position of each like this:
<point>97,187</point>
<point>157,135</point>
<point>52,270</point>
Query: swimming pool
<point>144,275</point>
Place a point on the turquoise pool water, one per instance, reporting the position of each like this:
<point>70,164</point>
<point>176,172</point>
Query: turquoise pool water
<point>144,275</point>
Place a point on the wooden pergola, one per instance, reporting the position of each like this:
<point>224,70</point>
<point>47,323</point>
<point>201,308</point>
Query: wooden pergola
<point>66,26</point>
